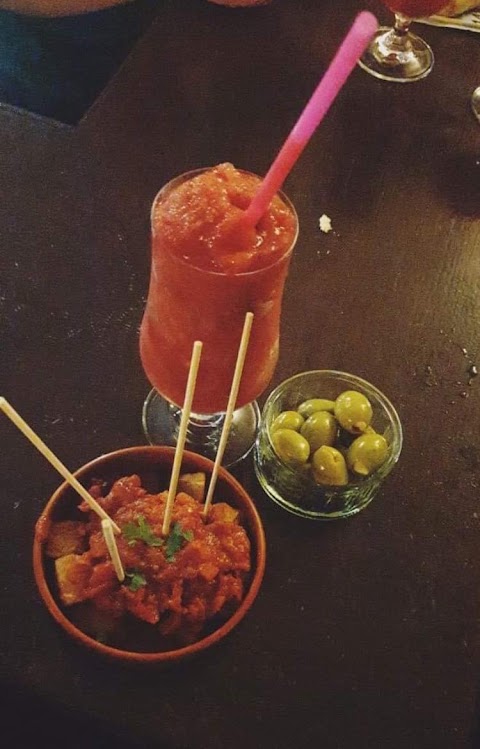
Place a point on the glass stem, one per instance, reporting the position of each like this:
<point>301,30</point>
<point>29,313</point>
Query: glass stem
<point>402,24</point>
<point>203,429</point>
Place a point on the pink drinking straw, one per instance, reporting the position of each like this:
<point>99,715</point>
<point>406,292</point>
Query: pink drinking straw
<point>347,56</point>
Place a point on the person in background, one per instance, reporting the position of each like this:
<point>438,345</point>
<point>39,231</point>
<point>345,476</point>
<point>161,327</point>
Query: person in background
<point>58,7</point>
<point>57,55</point>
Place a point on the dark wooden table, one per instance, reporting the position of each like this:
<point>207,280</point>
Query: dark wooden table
<point>366,631</point>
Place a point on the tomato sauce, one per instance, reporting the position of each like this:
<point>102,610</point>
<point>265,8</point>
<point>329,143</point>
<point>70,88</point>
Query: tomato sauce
<point>176,585</point>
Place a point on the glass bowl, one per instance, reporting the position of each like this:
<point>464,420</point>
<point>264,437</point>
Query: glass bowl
<point>295,489</point>
<point>153,465</point>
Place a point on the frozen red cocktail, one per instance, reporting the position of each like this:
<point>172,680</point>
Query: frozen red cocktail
<point>208,270</point>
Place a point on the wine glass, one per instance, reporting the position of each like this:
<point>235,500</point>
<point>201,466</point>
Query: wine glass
<point>475,102</point>
<point>188,300</point>
<point>396,54</point>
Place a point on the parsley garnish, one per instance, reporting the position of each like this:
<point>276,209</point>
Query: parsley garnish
<point>176,538</point>
<point>141,531</point>
<point>136,580</point>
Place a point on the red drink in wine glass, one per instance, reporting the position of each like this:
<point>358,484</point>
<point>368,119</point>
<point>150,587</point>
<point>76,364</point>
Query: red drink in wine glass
<point>415,8</point>
<point>395,53</point>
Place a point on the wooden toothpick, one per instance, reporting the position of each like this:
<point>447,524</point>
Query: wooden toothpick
<point>237,375</point>
<point>182,433</point>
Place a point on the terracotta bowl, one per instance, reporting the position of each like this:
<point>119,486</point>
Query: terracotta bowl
<point>153,465</point>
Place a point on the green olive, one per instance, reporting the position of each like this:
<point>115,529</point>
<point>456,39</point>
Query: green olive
<point>329,467</point>
<point>367,453</point>
<point>287,420</point>
<point>353,411</point>
<point>291,447</point>
<point>320,429</point>
<point>310,406</point>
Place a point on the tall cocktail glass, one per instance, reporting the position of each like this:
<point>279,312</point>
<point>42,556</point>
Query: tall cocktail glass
<point>396,54</point>
<point>191,299</point>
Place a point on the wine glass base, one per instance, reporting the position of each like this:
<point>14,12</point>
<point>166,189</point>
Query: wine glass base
<point>402,59</point>
<point>161,420</point>
<point>475,101</point>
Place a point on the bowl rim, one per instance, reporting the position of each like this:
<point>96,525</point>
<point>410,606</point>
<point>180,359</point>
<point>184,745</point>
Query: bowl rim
<point>202,464</point>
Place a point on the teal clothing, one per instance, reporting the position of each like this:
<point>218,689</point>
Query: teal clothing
<point>56,67</point>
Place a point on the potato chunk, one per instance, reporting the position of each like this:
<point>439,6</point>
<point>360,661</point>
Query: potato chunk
<point>65,537</point>
<point>73,573</point>
<point>223,513</point>
<point>193,484</point>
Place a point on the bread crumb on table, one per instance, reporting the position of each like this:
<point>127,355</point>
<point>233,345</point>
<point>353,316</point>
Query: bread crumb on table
<point>325,223</point>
